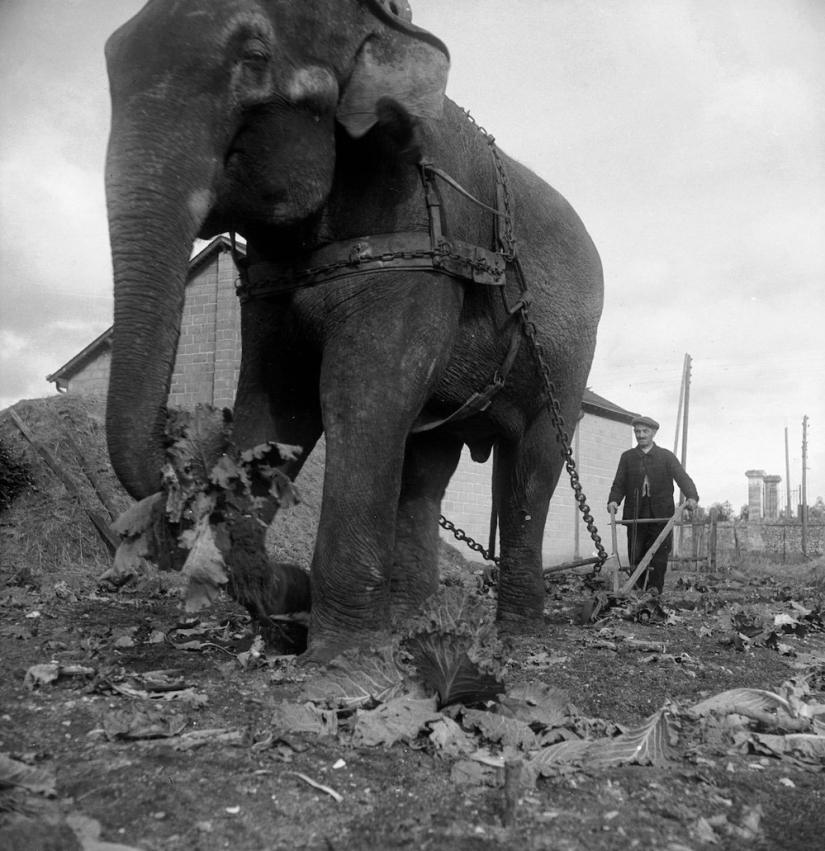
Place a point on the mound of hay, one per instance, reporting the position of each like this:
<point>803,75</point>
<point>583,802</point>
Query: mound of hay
<point>47,530</point>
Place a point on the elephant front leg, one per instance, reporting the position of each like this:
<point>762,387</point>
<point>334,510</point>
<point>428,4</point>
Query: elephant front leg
<point>431,460</point>
<point>526,474</point>
<point>349,579</point>
<point>375,378</point>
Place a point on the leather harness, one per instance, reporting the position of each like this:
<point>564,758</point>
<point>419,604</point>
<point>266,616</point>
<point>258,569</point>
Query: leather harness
<point>409,251</point>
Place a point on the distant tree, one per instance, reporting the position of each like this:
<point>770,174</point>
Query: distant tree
<point>724,510</point>
<point>817,510</point>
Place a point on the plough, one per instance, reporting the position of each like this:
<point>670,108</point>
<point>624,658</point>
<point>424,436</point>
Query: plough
<point>591,608</point>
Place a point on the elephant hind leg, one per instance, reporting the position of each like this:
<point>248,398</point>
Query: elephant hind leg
<point>526,473</point>
<point>430,461</point>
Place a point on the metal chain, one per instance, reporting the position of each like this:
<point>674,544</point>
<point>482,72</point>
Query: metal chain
<point>536,348</point>
<point>462,536</point>
<point>445,251</point>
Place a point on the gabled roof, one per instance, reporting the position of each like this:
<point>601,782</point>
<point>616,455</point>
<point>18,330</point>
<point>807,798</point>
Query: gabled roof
<point>62,375</point>
<point>599,405</point>
<point>591,401</point>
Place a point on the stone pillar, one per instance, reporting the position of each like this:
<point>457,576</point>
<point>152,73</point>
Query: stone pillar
<point>771,497</point>
<point>755,494</point>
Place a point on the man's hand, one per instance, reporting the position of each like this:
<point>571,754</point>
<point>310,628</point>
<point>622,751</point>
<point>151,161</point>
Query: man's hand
<point>691,504</point>
<point>612,507</point>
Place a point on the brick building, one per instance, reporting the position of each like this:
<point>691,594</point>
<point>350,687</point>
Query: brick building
<point>206,370</point>
<point>209,349</point>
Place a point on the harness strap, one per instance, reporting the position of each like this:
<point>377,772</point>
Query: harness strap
<point>478,401</point>
<point>406,251</point>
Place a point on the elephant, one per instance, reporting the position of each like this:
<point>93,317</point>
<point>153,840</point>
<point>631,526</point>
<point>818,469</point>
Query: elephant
<point>305,127</point>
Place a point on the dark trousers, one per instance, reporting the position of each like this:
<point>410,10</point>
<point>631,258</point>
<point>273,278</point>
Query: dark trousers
<point>640,538</point>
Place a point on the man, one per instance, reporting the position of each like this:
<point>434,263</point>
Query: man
<point>644,481</point>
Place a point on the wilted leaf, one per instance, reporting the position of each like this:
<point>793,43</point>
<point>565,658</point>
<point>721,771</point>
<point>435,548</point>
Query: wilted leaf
<point>467,772</point>
<point>137,518</point>
<point>449,739</point>
<point>359,677</point>
<point>40,675</point>
<point>550,759</point>
<point>128,562</point>
<point>737,699</point>
<point>273,453</point>
<point>402,719</point>
<point>304,718</point>
<point>650,744</point>
<point>205,568</point>
<point>199,439</point>
<point>14,773</point>
<point>499,728</point>
<point>805,746</point>
<point>537,704</point>
<point>137,723</point>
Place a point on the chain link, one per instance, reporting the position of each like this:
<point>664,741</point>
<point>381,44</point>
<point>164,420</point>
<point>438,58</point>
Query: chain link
<point>462,536</point>
<point>246,289</point>
<point>508,240</point>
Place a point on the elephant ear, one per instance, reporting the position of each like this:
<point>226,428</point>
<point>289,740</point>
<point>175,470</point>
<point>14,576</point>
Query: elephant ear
<point>412,71</point>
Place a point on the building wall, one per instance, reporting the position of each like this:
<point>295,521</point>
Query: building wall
<point>208,359</point>
<point>209,350</point>
<point>93,377</point>
<point>597,444</point>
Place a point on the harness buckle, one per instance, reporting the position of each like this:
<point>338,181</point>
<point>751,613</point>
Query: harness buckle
<point>358,254</point>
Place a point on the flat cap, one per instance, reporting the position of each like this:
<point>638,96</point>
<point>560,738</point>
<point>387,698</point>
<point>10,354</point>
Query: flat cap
<point>646,421</point>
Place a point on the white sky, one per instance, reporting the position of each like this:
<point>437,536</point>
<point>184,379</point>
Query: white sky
<point>688,134</point>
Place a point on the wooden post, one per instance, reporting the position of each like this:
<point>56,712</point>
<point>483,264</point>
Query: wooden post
<point>91,475</point>
<point>714,519</point>
<point>788,509</point>
<point>109,537</point>
<point>804,486</point>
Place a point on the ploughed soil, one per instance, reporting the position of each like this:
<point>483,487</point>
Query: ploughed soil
<point>120,761</point>
<point>126,724</point>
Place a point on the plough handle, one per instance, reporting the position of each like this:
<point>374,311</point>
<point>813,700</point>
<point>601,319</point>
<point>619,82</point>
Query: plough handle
<point>643,564</point>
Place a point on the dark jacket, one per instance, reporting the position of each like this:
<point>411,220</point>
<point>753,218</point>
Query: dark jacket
<point>662,468</point>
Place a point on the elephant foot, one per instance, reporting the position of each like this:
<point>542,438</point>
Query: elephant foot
<point>519,623</point>
<point>321,651</point>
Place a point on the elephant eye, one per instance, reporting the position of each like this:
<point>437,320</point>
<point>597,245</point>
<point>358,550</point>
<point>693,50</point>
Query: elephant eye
<point>255,57</point>
<point>255,53</point>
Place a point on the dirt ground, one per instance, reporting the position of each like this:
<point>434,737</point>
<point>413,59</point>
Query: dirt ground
<point>242,786</point>
<point>125,724</point>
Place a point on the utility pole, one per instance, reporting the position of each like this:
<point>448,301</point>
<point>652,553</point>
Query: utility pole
<point>677,538</point>
<point>684,399</point>
<point>788,510</point>
<point>681,402</point>
<point>687,410</point>
<point>804,508</point>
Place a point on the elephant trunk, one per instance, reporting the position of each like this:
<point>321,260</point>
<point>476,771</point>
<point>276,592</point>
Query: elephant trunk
<point>155,210</point>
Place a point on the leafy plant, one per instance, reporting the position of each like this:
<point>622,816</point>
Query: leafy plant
<point>208,485</point>
<point>455,648</point>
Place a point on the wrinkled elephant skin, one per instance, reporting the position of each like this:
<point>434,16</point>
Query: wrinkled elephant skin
<point>298,125</point>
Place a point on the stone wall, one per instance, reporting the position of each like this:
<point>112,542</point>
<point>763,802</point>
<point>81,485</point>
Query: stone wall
<point>782,542</point>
